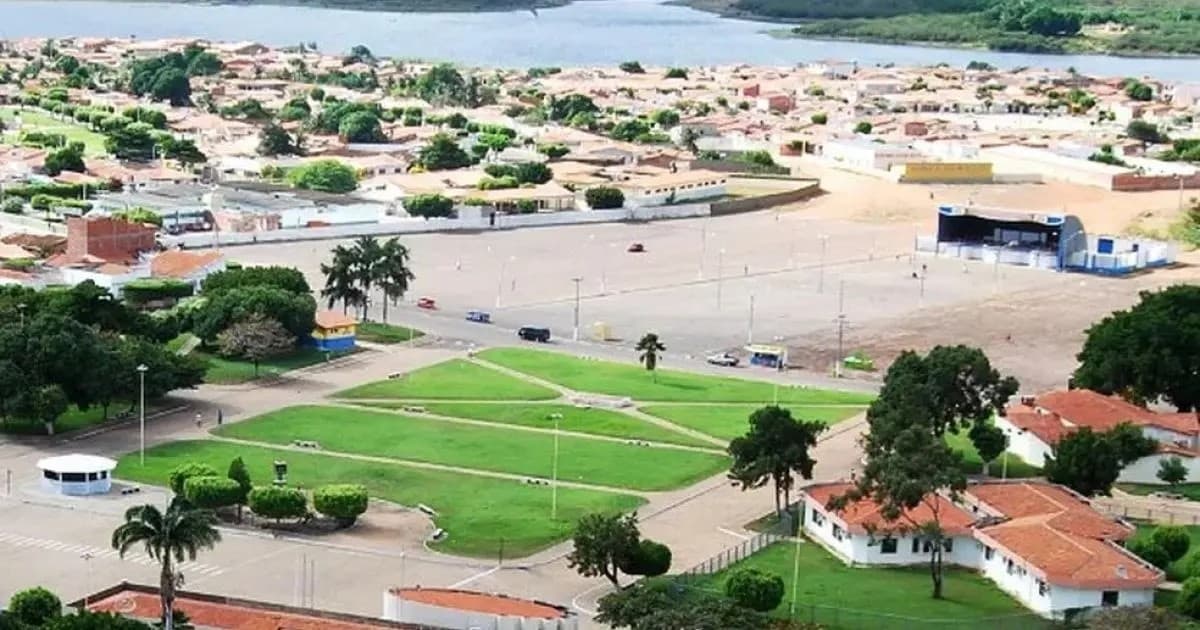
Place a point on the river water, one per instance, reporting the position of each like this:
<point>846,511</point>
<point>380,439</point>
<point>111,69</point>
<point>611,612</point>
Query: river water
<point>583,33</point>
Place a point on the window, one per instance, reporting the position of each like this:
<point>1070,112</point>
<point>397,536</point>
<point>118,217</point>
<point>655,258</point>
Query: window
<point>988,553</point>
<point>948,545</point>
<point>1009,567</point>
<point>50,474</point>
<point>837,532</point>
<point>92,476</point>
<point>887,545</point>
<point>817,518</point>
<point>1043,588</point>
<point>1109,598</point>
<point>916,544</point>
<point>74,477</point>
<point>926,546</point>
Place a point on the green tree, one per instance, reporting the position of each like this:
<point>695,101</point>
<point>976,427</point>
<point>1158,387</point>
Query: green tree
<point>275,140</point>
<point>238,473</point>
<point>1173,539</point>
<point>604,197</point>
<point>820,118</point>
<point>569,106</point>
<point>172,85</point>
<point>1147,132</point>
<point>201,62</point>
<point>341,502</point>
<point>179,475</point>
<point>601,542</point>
<point>45,403</point>
<point>182,150</point>
<point>287,278</point>
<point>341,285</point>
<point>255,338</point>
<point>1084,461</point>
<point>85,620</point>
<point>293,310</point>
<point>989,441</point>
<point>1188,602</point>
<point>174,535</point>
<point>1172,471</point>
<point>1148,352</point>
<point>441,153</point>
<point>533,173</point>
<point>35,606</point>
<point>863,127</point>
<point>649,348</point>
<point>392,273</point>
<point>138,214</point>
<point>1130,443</point>
<point>774,449</point>
<point>1138,91</point>
<point>68,158</point>
<point>676,73</point>
<point>1149,551</point>
<point>661,605</point>
<point>755,589</point>
<point>131,142</point>
<point>324,175</point>
<point>361,127</point>
<point>665,118</point>
<point>430,206</point>
<point>366,255</point>
<point>650,559</point>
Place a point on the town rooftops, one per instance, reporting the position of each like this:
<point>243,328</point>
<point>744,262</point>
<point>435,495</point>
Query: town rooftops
<point>181,264</point>
<point>1075,408</point>
<point>864,515</point>
<point>501,605</point>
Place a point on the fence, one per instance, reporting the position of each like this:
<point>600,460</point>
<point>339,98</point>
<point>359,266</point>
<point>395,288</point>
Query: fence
<point>1164,515</point>
<point>846,619</point>
<point>731,555</point>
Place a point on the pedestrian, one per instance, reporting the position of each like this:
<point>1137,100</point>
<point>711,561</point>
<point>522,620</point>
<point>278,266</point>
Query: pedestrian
<point>199,420</point>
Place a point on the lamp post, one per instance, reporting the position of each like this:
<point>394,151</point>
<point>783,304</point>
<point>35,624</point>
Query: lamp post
<point>87,560</point>
<point>750,324</point>
<point>720,274</point>
<point>21,307</point>
<point>821,276</point>
<point>556,417</point>
<point>575,330</point>
<point>141,370</point>
<point>500,279</point>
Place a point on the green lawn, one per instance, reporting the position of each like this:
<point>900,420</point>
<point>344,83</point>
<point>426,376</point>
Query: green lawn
<point>392,435</point>
<point>591,420</point>
<point>375,332</point>
<point>620,379</point>
<point>730,421</point>
<point>481,515</point>
<point>1189,490</point>
<point>37,120</point>
<point>73,420</point>
<point>455,379</point>
<point>224,371</point>
<point>973,464</point>
<point>1177,571</point>
<point>870,598</point>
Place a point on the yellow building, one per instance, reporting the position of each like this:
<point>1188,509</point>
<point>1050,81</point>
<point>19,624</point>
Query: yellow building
<point>334,332</point>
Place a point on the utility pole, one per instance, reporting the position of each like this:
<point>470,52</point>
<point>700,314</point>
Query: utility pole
<point>750,326</point>
<point>821,276</point>
<point>554,470</point>
<point>141,370</point>
<point>841,329</point>
<point>703,250</point>
<point>575,333</point>
<point>720,274</point>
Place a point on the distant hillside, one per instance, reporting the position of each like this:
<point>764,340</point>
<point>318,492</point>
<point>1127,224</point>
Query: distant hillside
<point>826,9</point>
<point>463,6</point>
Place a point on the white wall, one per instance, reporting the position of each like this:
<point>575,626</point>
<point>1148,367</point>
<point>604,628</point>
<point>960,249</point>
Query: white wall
<point>1024,444</point>
<point>369,212</point>
<point>397,609</point>
<point>1063,599</point>
<point>114,283</point>
<point>1167,436</point>
<point>1145,470</point>
<point>861,549</point>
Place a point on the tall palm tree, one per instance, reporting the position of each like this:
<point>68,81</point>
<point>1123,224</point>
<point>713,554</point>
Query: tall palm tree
<point>367,254</point>
<point>392,274</point>
<point>649,346</point>
<point>169,537</point>
<point>340,283</point>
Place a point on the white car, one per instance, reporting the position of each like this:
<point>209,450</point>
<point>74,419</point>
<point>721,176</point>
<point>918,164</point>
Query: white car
<point>724,359</point>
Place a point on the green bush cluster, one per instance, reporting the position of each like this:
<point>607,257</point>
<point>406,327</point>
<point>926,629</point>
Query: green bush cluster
<point>342,502</point>
<point>211,492</point>
<point>278,502</point>
<point>145,290</point>
<point>179,476</point>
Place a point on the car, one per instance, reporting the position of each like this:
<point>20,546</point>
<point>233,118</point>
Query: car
<point>1170,496</point>
<point>723,358</point>
<point>636,248</point>
<point>534,333</point>
<point>483,317</point>
<point>427,302</point>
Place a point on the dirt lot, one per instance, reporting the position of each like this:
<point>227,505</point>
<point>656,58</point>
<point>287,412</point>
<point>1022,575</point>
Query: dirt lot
<point>712,284</point>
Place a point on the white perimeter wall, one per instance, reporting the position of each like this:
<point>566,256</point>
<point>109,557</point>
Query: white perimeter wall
<point>397,609</point>
<point>1024,444</point>
<point>1145,470</point>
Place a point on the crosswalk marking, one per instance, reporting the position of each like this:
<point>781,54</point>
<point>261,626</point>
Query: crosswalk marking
<point>139,558</point>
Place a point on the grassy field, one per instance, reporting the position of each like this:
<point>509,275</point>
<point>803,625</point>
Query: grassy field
<point>973,464</point>
<point>730,421</point>
<point>619,379</point>
<point>385,434</point>
<point>589,420</point>
<point>224,371</point>
<point>453,380</point>
<point>375,332</point>
<point>870,598</point>
<point>36,120</point>
<point>480,514</point>
<point>1177,572</point>
<point>1189,490</point>
<point>73,420</point>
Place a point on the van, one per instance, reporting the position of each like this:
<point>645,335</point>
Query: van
<point>534,333</point>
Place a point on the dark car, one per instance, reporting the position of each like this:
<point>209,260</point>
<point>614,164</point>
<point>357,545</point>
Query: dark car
<point>534,333</point>
<point>636,248</point>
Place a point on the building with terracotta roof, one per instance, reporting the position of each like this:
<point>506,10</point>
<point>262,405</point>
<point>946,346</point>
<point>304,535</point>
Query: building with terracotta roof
<point>334,331</point>
<point>190,267</point>
<point>1036,424</point>
<point>468,610</point>
<point>1039,542</point>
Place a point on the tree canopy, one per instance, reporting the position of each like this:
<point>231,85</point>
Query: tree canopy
<point>324,175</point>
<point>775,449</point>
<point>442,153</point>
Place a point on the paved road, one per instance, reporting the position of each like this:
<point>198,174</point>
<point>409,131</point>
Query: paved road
<point>53,538</point>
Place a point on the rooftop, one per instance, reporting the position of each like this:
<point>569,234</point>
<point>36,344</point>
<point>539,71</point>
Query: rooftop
<point>481,603</point>
<point>864,515</point>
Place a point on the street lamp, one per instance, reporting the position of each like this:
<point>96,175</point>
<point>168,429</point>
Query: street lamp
<point>21,307</point>
<point>556,417</point>
<point>720,274</point>
<point>575,333</point>
<point>500,280</point>
<point>141,370</point>
<point>821,278</point>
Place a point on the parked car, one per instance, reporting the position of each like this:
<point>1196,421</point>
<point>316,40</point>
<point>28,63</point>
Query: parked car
<point>483,317</point>
<point>1171,496</point>
<point>427,302</point>
<point>636,248</point>
<point>723,358</point>
<point>534,333</point>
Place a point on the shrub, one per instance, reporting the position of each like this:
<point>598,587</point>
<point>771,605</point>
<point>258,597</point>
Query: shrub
<point>1191,565</point>
<point>1149,551</point>
<point>755,589</point>
<point>676,73</point>
<point>212,492</point>
<point>428,206</point>
<point>278,503</point>
<point>553,151</point>
<point>863,127</point>
<point>1188,602</point>
<point>35,606</point>
<point>632,67</point>
<point>13,205</point>
<point>183,472</point>
<point>343,502</point>
<point>238,473</point>
<point>604,197</point>
<point>820,118</point>
<point>1173,539</point>
<point>145,290</point>
<point>526,206</point>
<point>650,559</point>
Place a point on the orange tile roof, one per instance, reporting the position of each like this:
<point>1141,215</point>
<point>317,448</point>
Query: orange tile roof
<point>480,602</point>
<point>1086,408</point>
<point>181,264</point>
<point>864,515</point>
<point>1186,423</point>
<point>333,319</point>
<point>1048,427</point>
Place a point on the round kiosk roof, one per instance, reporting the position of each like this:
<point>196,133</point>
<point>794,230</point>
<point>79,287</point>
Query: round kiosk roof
<point>76,463</point>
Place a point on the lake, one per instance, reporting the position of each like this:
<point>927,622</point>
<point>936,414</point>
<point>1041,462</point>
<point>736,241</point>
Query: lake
<point>596,32</point>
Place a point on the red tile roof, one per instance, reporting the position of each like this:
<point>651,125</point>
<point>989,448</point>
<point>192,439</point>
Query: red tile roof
<point>864,515</point>
<point>333,319</point>
<point>480,602</point>
<point>1047,426</point>
<point>1185,423</point>
<point>1086,408</point>
<point>181,264</point>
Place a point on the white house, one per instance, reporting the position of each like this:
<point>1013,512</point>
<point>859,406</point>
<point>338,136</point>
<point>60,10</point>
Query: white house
<point>677,187</point>
<point>862,154</point>
<point>1037,423</point>
<point>1039,542</point>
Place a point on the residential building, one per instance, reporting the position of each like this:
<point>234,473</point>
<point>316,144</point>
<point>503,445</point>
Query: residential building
<point>190,267</point>
<point>676,187</point>
<point>1039,542</point>
<point>468,610</point>
<point>859,154</point>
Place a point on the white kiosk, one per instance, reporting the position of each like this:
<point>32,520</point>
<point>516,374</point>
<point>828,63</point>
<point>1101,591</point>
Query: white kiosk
<point>77,474</point>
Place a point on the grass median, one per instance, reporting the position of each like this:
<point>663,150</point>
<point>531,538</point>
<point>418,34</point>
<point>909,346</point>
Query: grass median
<point>620,379</point>
<point>591,420</point>
<point>497,449</point>
<point>731,421</point>
<point>455,379</point>
<point>481,515</point>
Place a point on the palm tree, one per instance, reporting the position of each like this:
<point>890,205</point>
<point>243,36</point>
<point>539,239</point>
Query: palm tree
<point>392,274</point>
<point>367,254</point>
<point>649,346</point>
<point>340,281</point>
<point>169,537</point>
